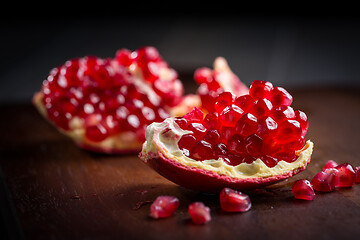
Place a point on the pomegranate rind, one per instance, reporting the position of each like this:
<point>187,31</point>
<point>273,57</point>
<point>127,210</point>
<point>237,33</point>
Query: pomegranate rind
<point>161,152</point>
<point>122,143</point>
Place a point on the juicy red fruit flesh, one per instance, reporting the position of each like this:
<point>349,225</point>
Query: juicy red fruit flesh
<point>234,201</point>
<point>164,206</point>
<point>199,213</point>
<point>302,189</point>
<point>106,88</point>
<point>249,126</point>
<point>325,181</point>
<point>345,176</point>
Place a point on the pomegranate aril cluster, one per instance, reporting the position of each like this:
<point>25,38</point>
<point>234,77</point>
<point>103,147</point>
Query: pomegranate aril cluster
<point>330,178</point>
<point>104,94</point>
<point>241,129</point>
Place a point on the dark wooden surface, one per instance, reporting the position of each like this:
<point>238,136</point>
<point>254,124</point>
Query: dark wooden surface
<point>50,189</point>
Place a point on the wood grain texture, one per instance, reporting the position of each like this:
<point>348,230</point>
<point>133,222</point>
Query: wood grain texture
<point>60,191</point>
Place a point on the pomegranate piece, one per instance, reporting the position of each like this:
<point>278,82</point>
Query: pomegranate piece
<point>234,201</point>
<point>164,206</point>
<point>325,181</point>
<point>302,189</point>
<point>345,175</point>
<point>230,146</point>
<point>106,104</point>
<point>199,213</point>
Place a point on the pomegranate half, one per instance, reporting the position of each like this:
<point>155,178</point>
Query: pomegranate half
<point>105,105</point>
<point>247,142</point>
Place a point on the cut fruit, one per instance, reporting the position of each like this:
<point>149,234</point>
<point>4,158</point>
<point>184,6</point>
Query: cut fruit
<point>105,105</point>
<point>214,82</point>
<point>241,149</point>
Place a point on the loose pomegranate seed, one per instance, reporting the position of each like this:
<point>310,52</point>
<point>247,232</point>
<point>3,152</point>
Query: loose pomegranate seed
<point>357,174</point>
<point>345,176</point>
<point>164,206</point>
<point>280,97</point>
<point>302,189</point>
<point>325,181</point>
<point>234,201</point>
<point>199,213</point>
<point>330,164</point>
<point>260,89</point>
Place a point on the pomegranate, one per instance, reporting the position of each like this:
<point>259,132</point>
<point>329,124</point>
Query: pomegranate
<point>357,174</point>
<point>199,213</point>
<point>234,201</point>
<point>164,206</point>
<point>106,104</point>
<point>238,145</point>
<point>302,189</point>
<point>324,181</point>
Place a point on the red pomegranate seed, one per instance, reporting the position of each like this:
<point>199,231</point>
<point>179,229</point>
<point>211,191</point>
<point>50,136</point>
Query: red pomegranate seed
<point>302,189</point>
<point>357,174</point>
<point>196,115</point>
<point>288,131</point>
<point>198,130</point>
<point>245,102</point>
<point>260,89</point>
<point>230,115</point>
<point>199,213</point>
<point>123,56</point>
<point>223,100</point>
<point>288,155</point>
<point>280,97</point>
<point>246,125</point>
<point>234,201</point>
<point>187,141</point>
<point>330,164</point>
<point>236,144</point>
<point>220,150</point>
<point>303,120</point>
<point>345,176</point>
<point>182,123</point>
<point>164,206</point>
<point>269,161</point>
<point>212,136</point>
<point>266,128</point>
<point>203,75</point>
<point>253,145</point>
<point>211,121</point>
<point>262,107</point>
<point>202,151</point>
<point>96,133</point>
<point>283,113</point>
<point>325,181</point>
<point>147,53</point>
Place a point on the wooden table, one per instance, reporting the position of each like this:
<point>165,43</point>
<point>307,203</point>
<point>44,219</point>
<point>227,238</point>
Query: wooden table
<point>50,189</point>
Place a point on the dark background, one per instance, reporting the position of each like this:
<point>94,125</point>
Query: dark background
<point>299,50</point>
